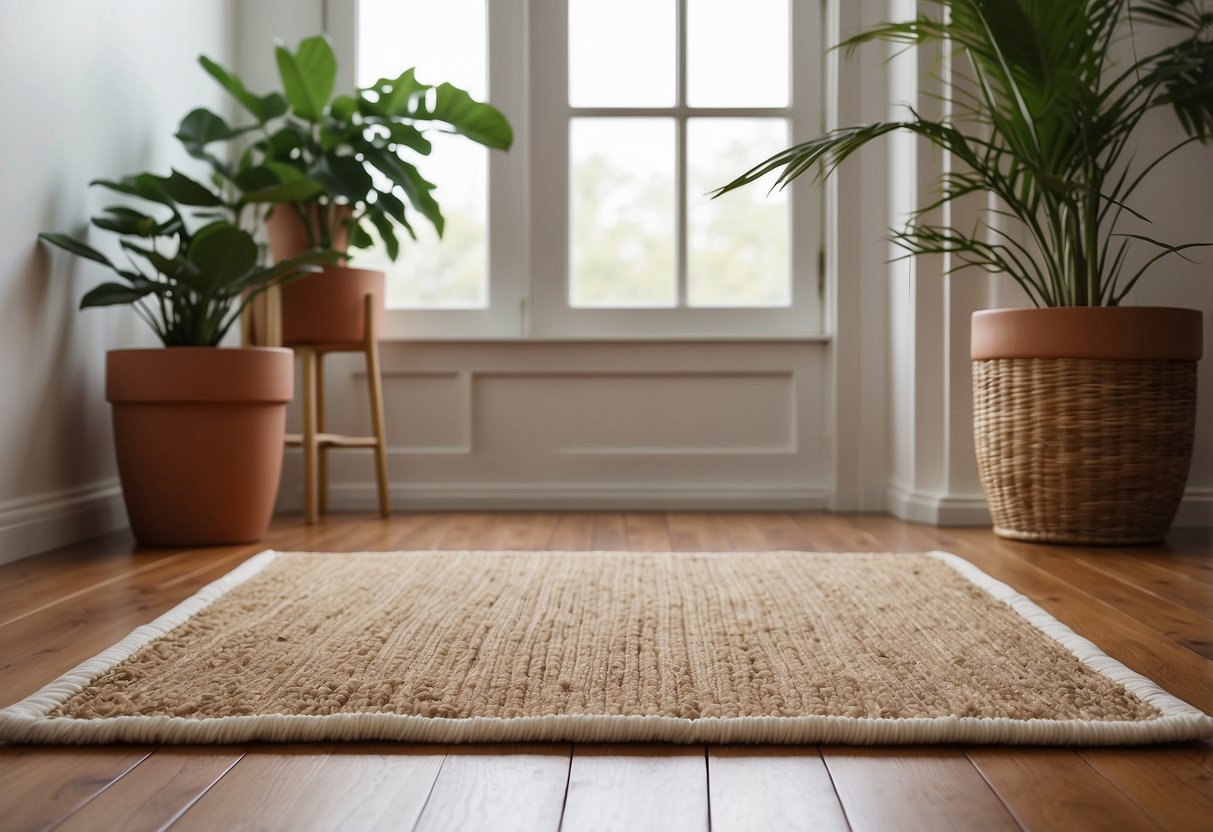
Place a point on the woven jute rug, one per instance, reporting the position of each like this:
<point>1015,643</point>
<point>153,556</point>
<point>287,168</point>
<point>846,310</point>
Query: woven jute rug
<point>772,647</point>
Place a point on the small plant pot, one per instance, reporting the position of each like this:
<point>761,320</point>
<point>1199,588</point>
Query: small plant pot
<point>328,309</point>
<point>199,437</point>
<point>288,236</point>
<point>1084,420</point>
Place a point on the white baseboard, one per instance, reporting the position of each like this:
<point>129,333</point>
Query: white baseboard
<point>933,509</point>
<point>1196,510</point>
<point>560,496</point>
<point>29,525</point>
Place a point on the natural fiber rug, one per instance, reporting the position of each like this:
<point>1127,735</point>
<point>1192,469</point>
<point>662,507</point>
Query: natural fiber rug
<point>785,647</point>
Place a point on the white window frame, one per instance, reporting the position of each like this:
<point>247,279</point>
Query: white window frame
<point>528,238</point>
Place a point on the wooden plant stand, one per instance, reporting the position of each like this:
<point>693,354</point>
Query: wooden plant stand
<point>315,440</point>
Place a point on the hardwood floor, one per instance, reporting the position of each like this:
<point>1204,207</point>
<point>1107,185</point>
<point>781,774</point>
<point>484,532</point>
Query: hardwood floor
<point>1151,608</point>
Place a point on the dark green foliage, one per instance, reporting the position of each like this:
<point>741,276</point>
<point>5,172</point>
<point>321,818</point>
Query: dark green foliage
<point>1046,128</point>
<point>317,149</point>
<point>188,286</point>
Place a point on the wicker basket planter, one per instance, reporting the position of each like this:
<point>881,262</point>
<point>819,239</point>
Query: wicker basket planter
<point>1084,420</point>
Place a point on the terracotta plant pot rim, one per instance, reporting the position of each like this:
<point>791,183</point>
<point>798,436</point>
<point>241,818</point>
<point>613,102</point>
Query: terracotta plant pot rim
<point>1127,333</point>
<point>336,269</point>
<point>200,374</point>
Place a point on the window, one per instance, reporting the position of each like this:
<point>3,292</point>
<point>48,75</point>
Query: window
<point>626,114</point>
<point>448,41</point>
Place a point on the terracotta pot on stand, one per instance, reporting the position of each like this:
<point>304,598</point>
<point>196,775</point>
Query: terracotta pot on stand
<point>327,308</point>
<point>199,435</point>
<point>340,309</point>
<point>1084,419</point>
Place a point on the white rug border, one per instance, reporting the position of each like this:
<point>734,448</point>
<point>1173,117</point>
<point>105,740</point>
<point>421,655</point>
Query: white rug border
<point>27,720</point>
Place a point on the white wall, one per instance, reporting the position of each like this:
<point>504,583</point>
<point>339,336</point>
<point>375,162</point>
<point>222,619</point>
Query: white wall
<point>95,89</point>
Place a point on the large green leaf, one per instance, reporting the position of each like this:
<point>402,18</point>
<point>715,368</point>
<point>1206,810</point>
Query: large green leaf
<point>391,97</point>
<point>409,136</point>
<point>386,233</point>
<point>299,191</point>
<point>76,247</point>
<point>223,255</point>
<point>345,176</point>
<point>468,117</point>
<point>261,107</point>
<point>114,294</point>
<point>186,191</point>
<point>130,226</point>
<point>308,76</point>
<point>170,267</point>
<point>123,220</point>
<point>282,143</point>
<point>409,180</point>
<point>199,128</point>
<point>268,175</point>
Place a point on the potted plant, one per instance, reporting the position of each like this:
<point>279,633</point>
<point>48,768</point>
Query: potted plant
<point>335,172</point>
<point>1084,409</point>
<point>198,430</point>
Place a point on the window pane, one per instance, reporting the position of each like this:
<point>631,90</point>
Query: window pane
<point>621,53</point>
<point>445,41</point>
<point>737,245</point>
<point>621,173</point>
<point>737,59</point>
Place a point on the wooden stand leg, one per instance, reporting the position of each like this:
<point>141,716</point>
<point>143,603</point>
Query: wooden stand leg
<point>375,383</point>
<point>322,484</point>
<point>310,512</point>
<point>246,325</point>
<point>272,298</point>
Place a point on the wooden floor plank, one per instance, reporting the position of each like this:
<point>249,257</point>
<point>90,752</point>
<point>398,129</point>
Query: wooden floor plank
<point>1160,576</point>
<point>414,532</point>
<point>1175,667</point>
<point>887,790</point>
<point>157,791</point>
<point>524,531</point>
<point>1055,788</point>
<point>360,786</point>
<point>35,583</point>
<point>771,788</point>
<point>647,531</point>
<point>835,533</point>
<point>468,531</point>
<point>1178,623</point>
<point>42,786</point>
<point>610,535</point>
<point>574,531</point>
<point>1173,784</point>
<point>499,788</point>
<point>770,531</point>
<point>698,531</point>
<point>640,788</point>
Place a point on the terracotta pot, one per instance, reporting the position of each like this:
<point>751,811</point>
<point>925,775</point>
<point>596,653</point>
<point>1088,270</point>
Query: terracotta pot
<point>329,308</point>
<point>288,235</point>
<point>199,436</point>
<point>1084,420</point>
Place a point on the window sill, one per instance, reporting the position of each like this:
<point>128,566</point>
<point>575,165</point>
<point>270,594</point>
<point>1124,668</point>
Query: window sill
<point>819,338</point>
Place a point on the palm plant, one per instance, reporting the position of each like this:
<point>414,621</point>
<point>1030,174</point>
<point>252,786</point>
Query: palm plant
<point>1046,127</point>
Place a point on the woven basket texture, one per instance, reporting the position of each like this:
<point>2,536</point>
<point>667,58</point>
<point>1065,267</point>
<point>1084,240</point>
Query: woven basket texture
<point>1083,450</point>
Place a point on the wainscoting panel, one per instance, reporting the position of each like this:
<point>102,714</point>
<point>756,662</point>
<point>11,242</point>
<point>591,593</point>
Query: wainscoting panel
<point>568,424</point>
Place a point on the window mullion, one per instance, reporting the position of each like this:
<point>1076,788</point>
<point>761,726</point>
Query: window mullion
<point>680,154</point>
